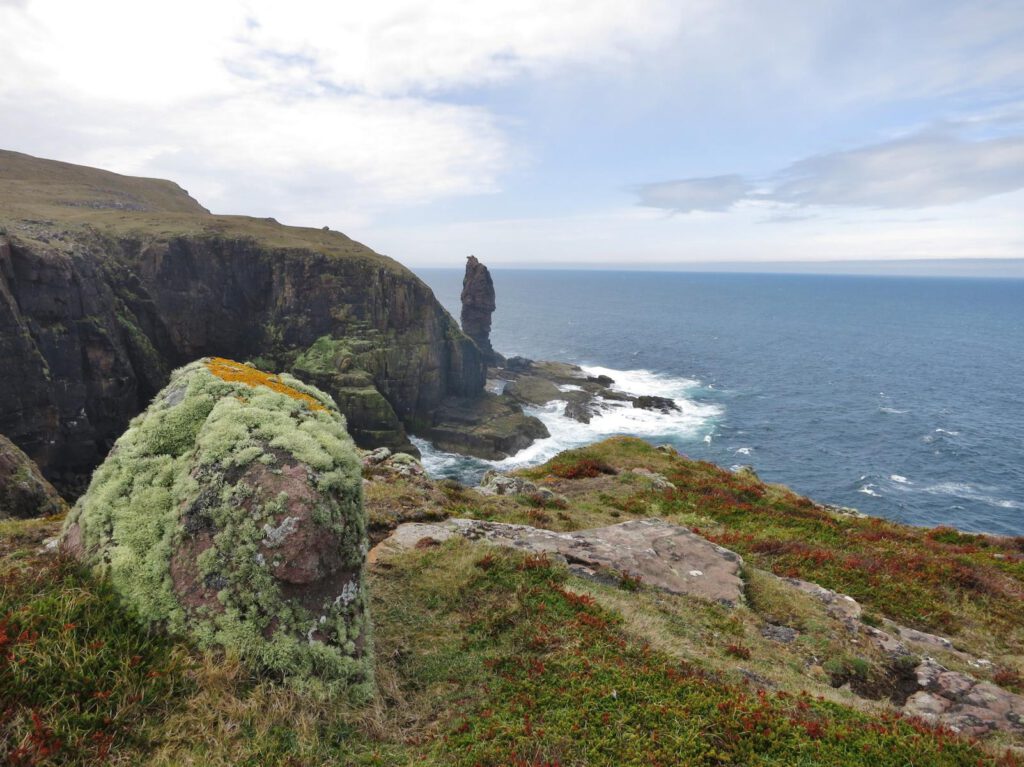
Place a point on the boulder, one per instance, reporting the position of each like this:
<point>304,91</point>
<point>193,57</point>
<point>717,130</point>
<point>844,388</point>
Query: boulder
<point>23,490</point>
<point>494,483</point>
<point>660,554</point>
<point>652,402</point>
<point>518,364</point>
<point>231,511</point>
<point>658,481</point>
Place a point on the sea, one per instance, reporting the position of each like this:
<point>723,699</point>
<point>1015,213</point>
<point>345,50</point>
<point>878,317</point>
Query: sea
<point>902,397</point>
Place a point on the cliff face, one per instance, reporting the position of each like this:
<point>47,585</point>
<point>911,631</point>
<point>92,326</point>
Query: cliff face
<point>108,283</point>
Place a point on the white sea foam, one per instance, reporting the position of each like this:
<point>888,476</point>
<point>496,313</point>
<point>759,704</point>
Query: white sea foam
<point>570,387</point>
<point>893,410</point>
<point>869,489</point>
<point>744,450</point>
<point>689,422</point>
<point>972,493</point>
<point>900,479</point>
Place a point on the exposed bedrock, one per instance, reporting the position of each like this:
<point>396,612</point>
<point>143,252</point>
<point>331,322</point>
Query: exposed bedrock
<point>23,490</point>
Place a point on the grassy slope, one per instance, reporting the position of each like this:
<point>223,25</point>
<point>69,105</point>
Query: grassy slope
<point>495,659</point>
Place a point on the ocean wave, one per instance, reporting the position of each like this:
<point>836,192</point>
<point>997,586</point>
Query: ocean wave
<point>744,450</point>
<point>899,479</point>
<point>892,410</point>
<point>869,489</point>
<point>688,423</point>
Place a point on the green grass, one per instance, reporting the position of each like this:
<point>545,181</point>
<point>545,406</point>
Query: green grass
<point>966,586</point>
<point>485,657</point>
<point>489,657</point>
<point>79,679</point>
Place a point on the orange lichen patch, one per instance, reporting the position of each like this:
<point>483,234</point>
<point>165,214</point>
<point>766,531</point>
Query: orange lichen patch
<point>229,370</point>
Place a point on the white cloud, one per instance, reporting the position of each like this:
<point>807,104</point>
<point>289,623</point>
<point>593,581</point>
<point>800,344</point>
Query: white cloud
<point>918,171</point>
<point>311,111</point>
<point>692,194</point>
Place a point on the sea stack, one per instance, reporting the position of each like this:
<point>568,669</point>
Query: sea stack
<point>478,306</point>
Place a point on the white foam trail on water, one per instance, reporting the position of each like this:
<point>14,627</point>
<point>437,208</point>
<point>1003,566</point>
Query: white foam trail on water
<point>689,422</point>
<point>893,410</point>
<point>972,493</point>
<point>869,489</point>
<point>900,479</point>
<point>744,450</point>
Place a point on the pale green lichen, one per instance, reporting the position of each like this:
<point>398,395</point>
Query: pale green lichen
<point>179,473</point>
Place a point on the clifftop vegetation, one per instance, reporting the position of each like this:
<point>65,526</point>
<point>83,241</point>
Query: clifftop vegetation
<point>490,657</point>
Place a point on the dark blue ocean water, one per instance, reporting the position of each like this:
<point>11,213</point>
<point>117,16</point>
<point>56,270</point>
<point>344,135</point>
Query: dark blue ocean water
<point>902,397</point>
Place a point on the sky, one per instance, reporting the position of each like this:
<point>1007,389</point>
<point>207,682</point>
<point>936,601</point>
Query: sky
<point>647,133</point>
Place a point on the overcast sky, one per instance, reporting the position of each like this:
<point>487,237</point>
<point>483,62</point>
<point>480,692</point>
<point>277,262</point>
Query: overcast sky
<point>550,131</point>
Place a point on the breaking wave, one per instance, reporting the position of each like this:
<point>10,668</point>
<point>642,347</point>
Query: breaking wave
<point>693,421</point>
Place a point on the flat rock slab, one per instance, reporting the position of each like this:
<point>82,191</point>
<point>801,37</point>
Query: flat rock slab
<point>661,554</point>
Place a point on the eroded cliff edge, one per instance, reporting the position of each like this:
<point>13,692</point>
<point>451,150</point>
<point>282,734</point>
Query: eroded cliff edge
<point>108,282</point>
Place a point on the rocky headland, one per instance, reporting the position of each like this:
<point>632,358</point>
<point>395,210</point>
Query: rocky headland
<point>108,282</point>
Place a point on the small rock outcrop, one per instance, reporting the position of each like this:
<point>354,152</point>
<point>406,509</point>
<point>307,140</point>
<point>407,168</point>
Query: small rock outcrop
<point>660,554</point>
<point>963,703</point>
<point>477,307</point>
<point>494,483</point>
<point>23,490</point>
<point>231,510</point>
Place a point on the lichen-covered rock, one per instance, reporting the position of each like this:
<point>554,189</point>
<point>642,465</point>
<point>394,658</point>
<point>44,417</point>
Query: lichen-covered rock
<point>23,490</point>
<point>231,510</point>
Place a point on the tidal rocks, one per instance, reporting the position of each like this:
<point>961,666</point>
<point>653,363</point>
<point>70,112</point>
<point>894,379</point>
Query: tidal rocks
<point>660,554</point>
<point>490,427</point>
<point>532,390</point>
<point>651,402</point>
<point>23,490</point>
<point>477,307</point>
<point>231,510</point>
<point>99,302</point>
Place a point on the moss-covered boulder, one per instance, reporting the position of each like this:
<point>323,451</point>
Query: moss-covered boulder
<point>23,490</point>
<point>231,510</point>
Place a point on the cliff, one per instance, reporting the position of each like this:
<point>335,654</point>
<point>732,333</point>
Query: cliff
<point>109,282</point>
